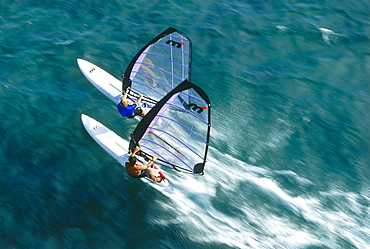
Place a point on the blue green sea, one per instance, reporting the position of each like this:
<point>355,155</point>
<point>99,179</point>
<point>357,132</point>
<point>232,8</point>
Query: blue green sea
<point>289,159</point>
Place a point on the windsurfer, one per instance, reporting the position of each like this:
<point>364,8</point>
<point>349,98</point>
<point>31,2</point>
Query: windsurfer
<point>138,171</point>
<point>128,108</point>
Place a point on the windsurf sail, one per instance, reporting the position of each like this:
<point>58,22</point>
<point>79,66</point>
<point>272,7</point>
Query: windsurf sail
<point>159,66</point>
<point>177,129</point>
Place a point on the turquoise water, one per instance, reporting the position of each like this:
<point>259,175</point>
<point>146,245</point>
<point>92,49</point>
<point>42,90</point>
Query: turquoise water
<point>289,158</point>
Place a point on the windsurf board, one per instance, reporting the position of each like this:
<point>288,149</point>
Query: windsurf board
<point>117,147</point>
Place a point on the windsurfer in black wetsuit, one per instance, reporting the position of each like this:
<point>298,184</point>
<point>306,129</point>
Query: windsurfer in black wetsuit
<point>137,170</point>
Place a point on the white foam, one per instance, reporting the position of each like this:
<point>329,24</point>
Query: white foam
<point>281,27</point>
<point>329,36</point>
<point>257,226</point>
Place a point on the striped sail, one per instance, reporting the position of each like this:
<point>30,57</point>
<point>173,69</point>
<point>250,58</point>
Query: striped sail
<point>159,66</point>
<point>177,129</point>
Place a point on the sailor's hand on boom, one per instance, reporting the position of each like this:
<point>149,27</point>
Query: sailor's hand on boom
<point>151,162</point>
<point>137,149</point>
<point>140,98</point>
<point>124,96</point>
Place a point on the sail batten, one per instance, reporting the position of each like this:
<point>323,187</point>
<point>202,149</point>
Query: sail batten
<point>189,130</point>
<point>164,155</point>
<point>180,142</point>
<point>164,58</point>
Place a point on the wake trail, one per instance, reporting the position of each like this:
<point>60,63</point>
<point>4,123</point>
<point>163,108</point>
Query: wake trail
<point>273,221</point>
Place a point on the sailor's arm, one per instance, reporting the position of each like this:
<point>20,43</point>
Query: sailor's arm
<point>136,150</point>
<point>125,94</point>
<point>146,166</point>
<point>151,162</point>
<point>139,100</point>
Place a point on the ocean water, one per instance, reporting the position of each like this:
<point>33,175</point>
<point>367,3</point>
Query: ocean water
<point>289,156</point>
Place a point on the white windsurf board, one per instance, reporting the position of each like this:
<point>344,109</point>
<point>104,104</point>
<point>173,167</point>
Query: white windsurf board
<point>106,83</point>
<point>117,147</point>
